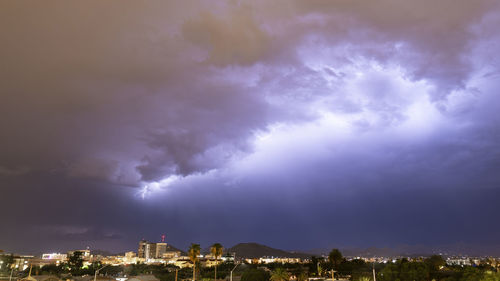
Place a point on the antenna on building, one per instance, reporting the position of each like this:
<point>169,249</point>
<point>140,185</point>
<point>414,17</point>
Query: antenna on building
<point>163,238</point>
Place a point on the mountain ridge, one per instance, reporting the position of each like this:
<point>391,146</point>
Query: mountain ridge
<point>256,250</point>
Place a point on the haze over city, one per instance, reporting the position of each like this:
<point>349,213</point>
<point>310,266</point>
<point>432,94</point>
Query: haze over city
<point>297,124</point>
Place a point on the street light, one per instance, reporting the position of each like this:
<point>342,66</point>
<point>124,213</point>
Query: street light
<point>97,271</point>
<point>333,271</point>
<point>231,278</point>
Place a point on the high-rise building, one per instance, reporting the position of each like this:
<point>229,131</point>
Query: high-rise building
<point>149,250</point>
<point>161,248</point>
<point>141,252</point>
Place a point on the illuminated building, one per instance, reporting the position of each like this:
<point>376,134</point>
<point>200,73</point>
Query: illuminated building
<point>161,248</point>
<point>142,249</point>
<point>55,256</point>
<point>85,253</point>
<point>149,250</point>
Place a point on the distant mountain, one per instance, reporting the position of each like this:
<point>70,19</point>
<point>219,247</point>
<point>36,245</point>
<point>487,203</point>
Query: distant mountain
<point>254,250</point>
<point>172,248</point>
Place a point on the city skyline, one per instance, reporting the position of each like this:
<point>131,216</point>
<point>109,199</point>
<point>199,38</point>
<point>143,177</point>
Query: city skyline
<point>298,124</point>
<point>160,252</point>
<point>160,262</point>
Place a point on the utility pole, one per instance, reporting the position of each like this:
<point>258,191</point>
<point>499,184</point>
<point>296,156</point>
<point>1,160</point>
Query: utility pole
<point>176,270</point>
<point>374,276</point>
<point>231,278</point>
<point>11,271</point>
<point>97,271</point>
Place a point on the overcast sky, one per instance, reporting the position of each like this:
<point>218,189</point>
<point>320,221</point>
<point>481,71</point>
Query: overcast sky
<point>294,123</point>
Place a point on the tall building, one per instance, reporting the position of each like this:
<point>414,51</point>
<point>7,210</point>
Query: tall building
<point>149,250</point>
<point>141,252</point>
<point>161,248</point>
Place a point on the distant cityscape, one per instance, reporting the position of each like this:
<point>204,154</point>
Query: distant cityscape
<point>154,257</point>
<point>164,253</point>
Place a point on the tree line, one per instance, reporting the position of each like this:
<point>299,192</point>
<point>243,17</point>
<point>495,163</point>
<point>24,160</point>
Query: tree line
<point>333,266</point>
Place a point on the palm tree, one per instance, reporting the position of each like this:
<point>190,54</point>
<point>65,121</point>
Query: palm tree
<point>194,252</point>
<point>216,251</point>
<point>279,274</point>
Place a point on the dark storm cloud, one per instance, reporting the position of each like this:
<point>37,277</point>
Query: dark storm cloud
<point>124,91</point>
<point>284,115</point>
<point>128,76</point>
<point>237,39</point>
<point>433,38</point>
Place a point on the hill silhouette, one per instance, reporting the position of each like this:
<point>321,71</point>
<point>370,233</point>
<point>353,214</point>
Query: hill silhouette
<point>255,250</point>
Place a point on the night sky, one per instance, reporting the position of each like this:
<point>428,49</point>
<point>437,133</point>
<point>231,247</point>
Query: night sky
<point>298,124</point>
